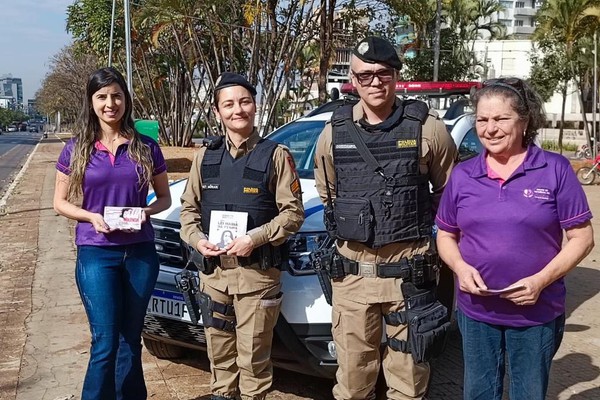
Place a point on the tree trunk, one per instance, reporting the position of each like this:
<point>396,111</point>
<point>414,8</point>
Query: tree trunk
<point>326,45</point>
<point>586,128</point>
<point>562,117</point>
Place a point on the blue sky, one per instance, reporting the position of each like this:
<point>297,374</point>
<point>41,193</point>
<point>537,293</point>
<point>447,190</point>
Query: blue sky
<point>31,32</point>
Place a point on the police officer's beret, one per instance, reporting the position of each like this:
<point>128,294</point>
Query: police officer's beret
<point>227,79</point>
<point>373,49</point>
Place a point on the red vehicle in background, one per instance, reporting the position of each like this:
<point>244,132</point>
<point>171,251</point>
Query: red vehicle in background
<point>587,175</point>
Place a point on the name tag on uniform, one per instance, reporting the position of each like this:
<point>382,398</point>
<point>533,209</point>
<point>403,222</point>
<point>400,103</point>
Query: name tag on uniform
<point>250,190</point>
<point>403,144</point>
<point>210,186</point>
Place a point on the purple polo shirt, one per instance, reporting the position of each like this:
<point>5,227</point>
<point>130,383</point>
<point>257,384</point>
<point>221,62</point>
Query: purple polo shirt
<point>112,183</point>
<point>510,230</point>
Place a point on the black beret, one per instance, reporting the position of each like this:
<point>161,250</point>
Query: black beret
<point>373,49</point>
<point>227,79</point>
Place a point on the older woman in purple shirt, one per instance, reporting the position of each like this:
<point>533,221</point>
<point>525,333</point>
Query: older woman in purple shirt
<point>501,222</point>
<point>108,163</point>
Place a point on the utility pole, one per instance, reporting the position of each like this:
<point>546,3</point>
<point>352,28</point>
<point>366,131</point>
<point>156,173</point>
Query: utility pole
<point>436,40</point>
<point>112,31</point>
<point>595,98</point>
<point>128,46</point>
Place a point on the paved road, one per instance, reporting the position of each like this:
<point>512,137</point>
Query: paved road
<point>44,339</point>
<point>14,147</point>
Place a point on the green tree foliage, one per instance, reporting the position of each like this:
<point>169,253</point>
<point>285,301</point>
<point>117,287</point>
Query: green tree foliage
<point>465,22</point>
<point>63,87</point>
<point>89,23</point>
<point>564,23</point>
<point>180,47</point>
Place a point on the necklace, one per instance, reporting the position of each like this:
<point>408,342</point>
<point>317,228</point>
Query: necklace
<point>106,142</point>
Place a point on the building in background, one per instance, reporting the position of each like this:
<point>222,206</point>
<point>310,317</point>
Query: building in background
<point>32,107</point>
<point>519,17</point>
<point>12,87</point>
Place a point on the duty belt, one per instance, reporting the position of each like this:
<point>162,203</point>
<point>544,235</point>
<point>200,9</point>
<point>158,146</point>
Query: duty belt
<point>420,269</point>
<point>400,269</point>
<point>230,262</point>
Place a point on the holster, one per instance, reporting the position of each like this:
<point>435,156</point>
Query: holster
<point>208,306</point>
<point>428,323</point>
<point>187,283</point>
<point>320,261</point>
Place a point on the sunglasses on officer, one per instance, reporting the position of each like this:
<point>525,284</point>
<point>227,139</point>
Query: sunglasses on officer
<point>513,84</point>
<point>366,78</point>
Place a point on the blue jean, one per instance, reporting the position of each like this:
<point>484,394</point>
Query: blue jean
<point>115,284</point>
<point>528,352</point>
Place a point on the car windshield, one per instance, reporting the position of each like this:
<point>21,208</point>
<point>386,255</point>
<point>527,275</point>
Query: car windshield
<point>300,137</point>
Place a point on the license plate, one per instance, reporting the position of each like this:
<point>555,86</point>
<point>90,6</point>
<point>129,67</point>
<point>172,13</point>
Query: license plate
<point>169,305</point>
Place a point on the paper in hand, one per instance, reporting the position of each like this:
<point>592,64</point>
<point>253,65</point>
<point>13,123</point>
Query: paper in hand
<point>501,291</point>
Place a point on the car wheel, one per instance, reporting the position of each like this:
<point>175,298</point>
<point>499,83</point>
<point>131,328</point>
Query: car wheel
<point>163,350</point>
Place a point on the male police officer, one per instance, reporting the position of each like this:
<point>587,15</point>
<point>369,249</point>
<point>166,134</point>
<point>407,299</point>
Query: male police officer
<point>379,158</point>
<point>240,291</point>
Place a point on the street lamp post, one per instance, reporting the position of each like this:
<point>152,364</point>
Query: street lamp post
<point>128,46</point>
<point>594,151</point>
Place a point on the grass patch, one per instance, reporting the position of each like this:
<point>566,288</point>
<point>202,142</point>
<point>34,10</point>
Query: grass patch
<point>553,146</point>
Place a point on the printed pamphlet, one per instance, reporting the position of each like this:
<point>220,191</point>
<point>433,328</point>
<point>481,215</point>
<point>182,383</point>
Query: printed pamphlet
<point>226,226</point>
<point>123,217</point>
<point>505,290</point>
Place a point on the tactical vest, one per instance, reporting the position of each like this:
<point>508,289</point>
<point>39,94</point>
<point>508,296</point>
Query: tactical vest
<point>240,184</point>
<point>392,204</point>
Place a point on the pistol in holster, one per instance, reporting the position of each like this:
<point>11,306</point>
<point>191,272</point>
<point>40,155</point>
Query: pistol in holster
<point>187,283</point>
<point>321,261</point>
<point>424,268</point>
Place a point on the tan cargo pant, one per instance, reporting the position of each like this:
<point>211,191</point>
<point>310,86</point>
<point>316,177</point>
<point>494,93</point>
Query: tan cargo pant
<point>357,332</point>
<point>240,361</point>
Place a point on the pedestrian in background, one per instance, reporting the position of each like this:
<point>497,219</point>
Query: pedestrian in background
<point>108,163</point>
<point>501,223</point>
<point>240,283</point>
<point>379,158</point>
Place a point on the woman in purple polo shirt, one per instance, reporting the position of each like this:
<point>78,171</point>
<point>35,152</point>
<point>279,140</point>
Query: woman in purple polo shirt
<point>108,163</point>
<point>501,222</point>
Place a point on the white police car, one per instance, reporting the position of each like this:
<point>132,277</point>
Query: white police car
<point>302,340</point>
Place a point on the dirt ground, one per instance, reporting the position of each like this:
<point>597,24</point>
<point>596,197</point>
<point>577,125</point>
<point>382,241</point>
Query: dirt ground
<point>179,160</point>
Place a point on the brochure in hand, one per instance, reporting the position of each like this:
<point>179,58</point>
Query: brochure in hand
<point>226,226</point>
<point>123,217</point>
<point>501,291</point>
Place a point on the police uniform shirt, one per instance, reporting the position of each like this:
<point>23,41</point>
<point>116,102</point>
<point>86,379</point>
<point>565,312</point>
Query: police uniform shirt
<point>284,182</point>
<point>439,155</point>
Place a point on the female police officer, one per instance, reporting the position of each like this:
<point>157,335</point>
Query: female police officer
<point>240,287</point>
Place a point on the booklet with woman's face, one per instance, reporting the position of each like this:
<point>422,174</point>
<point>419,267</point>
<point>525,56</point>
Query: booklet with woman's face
<point>123,218</point>
<point>226,226</point>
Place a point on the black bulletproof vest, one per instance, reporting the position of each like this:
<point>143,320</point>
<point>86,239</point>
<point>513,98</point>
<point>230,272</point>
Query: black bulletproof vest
<point>239,184</point>
<point>399,197</point>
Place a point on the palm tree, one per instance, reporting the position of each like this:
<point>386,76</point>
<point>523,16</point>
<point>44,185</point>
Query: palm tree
<point>567,21</point>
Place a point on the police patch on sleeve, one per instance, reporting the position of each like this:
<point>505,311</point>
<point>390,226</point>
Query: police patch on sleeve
<point>295,187</point>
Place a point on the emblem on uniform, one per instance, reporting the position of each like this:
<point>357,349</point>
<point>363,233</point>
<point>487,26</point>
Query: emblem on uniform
<point>295,187</point>
<point>363,48</point>
<point>210,186</point>
<point>403,144</point>
<point>250,190</point>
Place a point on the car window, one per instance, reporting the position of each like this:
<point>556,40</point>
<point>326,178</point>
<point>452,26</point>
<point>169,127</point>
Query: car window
<point>301,138</point>
<point>470,146</point>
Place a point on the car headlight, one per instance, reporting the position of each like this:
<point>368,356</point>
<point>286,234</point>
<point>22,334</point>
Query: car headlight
<point>301,245</point>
